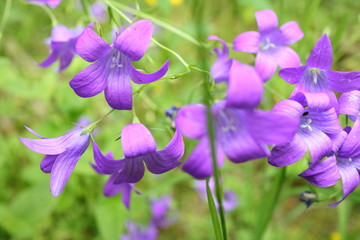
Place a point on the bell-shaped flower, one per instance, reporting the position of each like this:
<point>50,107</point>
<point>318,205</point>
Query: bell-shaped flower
<point>316,81</point>
<point>62,46</point>
<point>112,67</point>
<point>241,132</point>
<point>344,164</point>
<point>111,189</point>
<point>221,67</point>
<point>139,147</point>
<point>270,44</point>
<point>349,104</point>
<point>317,133</point>
<point>62,154</point>
<point>50,3</point>
<point>159,210</point>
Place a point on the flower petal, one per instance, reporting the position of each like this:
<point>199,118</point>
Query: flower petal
<point>50,146</point>
<point>285,57</point>
<point>327,121</point>
<point>137,140</point>
<point>142,78</point>
<point>349,103</point>
<point>65,164</point>
<point>292,75</point>
<point>60,33</point>
<point>105,164</point>
<point>93,79</point>
<point>53,3</point>
<point>131,172</point>
<point>351,146</point>
<point>291,33</point>
<point>118,92</point>
<point>323,174</point>
<point>221,67</point>
<point>247,42</point>
<point>50,59</point>
<point>321,55</point>
<point>174,149</point>
<point>319,144</point>
<point>289,107</point>
<point>288,153</point>
<point>315,101</point>
<point>266,20</point>
<point>271,127</point>
<point>343,81</point>
<point>350,179</point>
<point>338,140</point>
<point>135,40</point>
<point>199,163</point>
<point>245,78</point>
<point>111,189</point>
<point>47,163</point>
<point>90,46</point>
<point>191,121</point>
<point>65,59</point>
<point>265,65</point>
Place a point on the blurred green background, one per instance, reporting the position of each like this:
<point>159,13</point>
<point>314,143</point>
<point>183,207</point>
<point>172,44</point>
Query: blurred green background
<point>42,99</point>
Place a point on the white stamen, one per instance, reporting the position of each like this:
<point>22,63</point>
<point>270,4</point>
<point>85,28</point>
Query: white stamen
<point>307,124</point>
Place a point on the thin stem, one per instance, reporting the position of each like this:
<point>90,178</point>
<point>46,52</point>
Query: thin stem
<point>155,20</point>
<point>86,8</point>
<point>50,14</point>
<point>5,17</point>
<point>105,116</point>
<point>343,216</point>
<point>268,206</point>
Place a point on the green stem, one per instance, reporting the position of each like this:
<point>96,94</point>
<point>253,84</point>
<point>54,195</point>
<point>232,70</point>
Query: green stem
<point>86,8</point>
<point>50,14</point>
<point>159,22</point>
<point>343,216</point>
<point>267,207</point>
<point>5,17</point>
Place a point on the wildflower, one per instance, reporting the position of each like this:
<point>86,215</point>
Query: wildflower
<point>316,81</point>
<point>111,189</point>
<point>230,200</point>
<point>98,10</point>
<point>344,164</point>
<point>159,209</point>
<point>270,43</point>
<point>62,154</point>
<point>50,3</point>
<point>315,133</point>
<point>349,103</point>
<point>241,132</point>
<point>138,232</point>
<point>221,67</point>
<point>139,147</point>
<point>62,45</point>
<point>112,65</point>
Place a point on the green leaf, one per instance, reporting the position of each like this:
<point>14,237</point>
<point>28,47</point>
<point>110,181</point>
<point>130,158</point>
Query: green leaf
<point>213,212</point>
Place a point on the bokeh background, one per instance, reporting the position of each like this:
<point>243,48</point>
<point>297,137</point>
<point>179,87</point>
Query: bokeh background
<point>42,99</point>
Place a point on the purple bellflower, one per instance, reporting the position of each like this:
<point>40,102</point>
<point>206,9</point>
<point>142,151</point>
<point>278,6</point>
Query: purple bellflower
<point>159,209</point>
<point>344,164</point>
<point>349,104</point>
<point>316,81</point>
<point>270,44</point>
<point>111,189</point>
<point>137,232</point>
<point>50,3</point>
<point>62,154</point>
<point>62,45</point>
<point>139,147</point>
<point>241,133</point>
<point>112,68</point>
<point>318,132</point>
<point>230,201</point>
<point>221,67</point>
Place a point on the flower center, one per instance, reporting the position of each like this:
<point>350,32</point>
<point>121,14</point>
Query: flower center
<point>315,74</point>
<point>266,45</point>
<point>305,124</point>
<point>226,121</point>
<point>117,60</point>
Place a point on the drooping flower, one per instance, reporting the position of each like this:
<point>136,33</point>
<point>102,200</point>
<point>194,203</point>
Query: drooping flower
<point>270,44</point>
<point>344,164</point>
<point>50,3</point>
<point>111,189</point>
<point>316,81</point>
<point>221,67</point>
<point>316,134</point>
<point>241,132</point>
<point>62,46</point>
<point>62,154</point>
<point>230,200</point>
<point>139,147</point>
<point>349,104</point>
<point>112,67</point>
